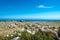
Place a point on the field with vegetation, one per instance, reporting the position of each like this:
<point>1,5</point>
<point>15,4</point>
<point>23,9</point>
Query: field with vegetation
<point>13,30</point>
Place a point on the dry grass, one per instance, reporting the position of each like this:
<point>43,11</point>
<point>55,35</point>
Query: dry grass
<point>4,30</point>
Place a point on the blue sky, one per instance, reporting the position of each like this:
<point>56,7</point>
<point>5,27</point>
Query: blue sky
<point>30,9</point>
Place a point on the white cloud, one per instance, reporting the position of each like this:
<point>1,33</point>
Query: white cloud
<point>43,6</point>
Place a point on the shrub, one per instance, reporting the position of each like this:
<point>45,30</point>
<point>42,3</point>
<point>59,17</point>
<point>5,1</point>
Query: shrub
<point>26,36</point>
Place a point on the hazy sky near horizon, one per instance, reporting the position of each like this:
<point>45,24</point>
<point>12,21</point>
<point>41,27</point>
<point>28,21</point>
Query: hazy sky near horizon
<point>30,9</point>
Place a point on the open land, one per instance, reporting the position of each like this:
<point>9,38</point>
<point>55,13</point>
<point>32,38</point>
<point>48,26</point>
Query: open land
<point>9,28</point>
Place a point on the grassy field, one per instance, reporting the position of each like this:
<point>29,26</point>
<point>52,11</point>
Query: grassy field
<point>9,28</point>
<point>4,29</point>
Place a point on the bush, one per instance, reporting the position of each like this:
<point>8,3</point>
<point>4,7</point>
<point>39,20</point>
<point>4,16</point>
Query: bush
<point>38,36</point>
<point>26,36</point>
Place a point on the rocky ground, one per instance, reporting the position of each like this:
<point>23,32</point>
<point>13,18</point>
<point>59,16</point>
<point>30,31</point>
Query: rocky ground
<point>10,28</point>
